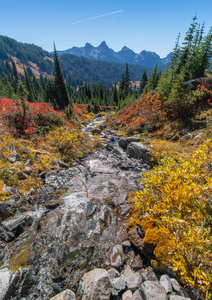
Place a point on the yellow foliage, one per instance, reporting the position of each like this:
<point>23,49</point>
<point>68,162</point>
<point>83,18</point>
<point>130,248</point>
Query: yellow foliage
<point>177,196</point>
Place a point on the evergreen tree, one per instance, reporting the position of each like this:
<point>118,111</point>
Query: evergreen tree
<point>125,84</point>
<point>30,94</point>
<point>50,93</point>
<point>143,82</point>
<point>128,87</point>
<point>15,75</point>
<point>61,94</point>
<point>153,79</point>
<point>115,95</point>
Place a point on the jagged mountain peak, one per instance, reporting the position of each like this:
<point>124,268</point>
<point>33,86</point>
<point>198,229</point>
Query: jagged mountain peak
<point>125,55</point>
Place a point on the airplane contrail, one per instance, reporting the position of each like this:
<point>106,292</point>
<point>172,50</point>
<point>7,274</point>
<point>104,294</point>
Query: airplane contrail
<point>114,12</point>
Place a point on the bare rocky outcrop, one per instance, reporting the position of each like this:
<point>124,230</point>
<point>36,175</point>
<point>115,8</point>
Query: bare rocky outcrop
<point>8,281</point>
<point>65,295</point>
<point>124,142</point>
<point>95,285</point>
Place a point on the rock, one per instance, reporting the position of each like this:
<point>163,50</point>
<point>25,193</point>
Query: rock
<point>91,209</point>
<point>43,175</point>
<point>124,142</point>
<point>103,213</point>
<point>136,263</point>
<point>21,175</point>
<point>96,131</point>
<point>102,127</point>
<point>176,297</point>
<point>117,257</point>
<point>139,151</point>
<point>198,135</point>
<point>150,128</point>
<point>2,245</point>
<point>62,164</point>
<point>113,273</point>
<point>65,295</point>
<point>166,283</point>
<point>119,198</point>
<point>51,205</point>
<point>137,241</point>
<point>124,209</point>
<point>4,213</point>
<point>28,170</point>
<point>98,115</point>
<point>8,281</point>
<point>152,290</point>
<point>148,275</point>
<point>14,158</point>
<point>5,234</point>
<point>95,285</point>
<point>126,244</point>
<point>25,281</point>
<point>137,295</point>
<point>17,225</point>
<point>133,280</point>
<point>177,288</point>
<point>192,292</point>
<point>29,162</point>
<point>127,295</point>
<point>118,285</point>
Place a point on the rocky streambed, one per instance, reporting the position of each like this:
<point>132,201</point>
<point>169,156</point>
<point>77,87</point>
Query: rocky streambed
<point>77,245</point>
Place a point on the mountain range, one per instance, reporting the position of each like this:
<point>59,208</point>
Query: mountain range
<point>75,67</point>
<point>125,55</point>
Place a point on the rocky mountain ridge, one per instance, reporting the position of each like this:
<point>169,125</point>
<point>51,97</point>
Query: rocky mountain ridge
<point>125,55</point>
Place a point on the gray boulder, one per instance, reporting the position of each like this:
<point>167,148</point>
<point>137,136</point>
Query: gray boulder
<point>139,151</point>
<point>113,273</point>
<point>65,295</point>
<point>95,285</point>
<point>17,225</point>
<point>148,276</point>
<point>176,297</point>
<point>5,234</point>
<point>28,170</point>
<point>137,295</point>
<point>117,257</point>
<point>166,283</point>
<point>177,288</point>
<point>118,285</point>
<point>124,142</point>
<point>62,164</point>
<point>8,281</point>
<point>4,213</point>
<point>96,131</point>
<point>133,280</point>
<point>127,295</point>
<point>119,197</point>
<point>152,290</point>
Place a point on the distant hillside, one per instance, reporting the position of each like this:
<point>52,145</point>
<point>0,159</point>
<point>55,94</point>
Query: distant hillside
<point>74,68</point>
<point>125,55</point>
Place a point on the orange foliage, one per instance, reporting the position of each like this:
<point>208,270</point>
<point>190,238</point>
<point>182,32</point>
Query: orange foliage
<point>147,110</point>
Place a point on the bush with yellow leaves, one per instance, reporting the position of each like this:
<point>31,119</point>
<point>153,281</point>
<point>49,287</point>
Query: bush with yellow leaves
<point>177,196</point>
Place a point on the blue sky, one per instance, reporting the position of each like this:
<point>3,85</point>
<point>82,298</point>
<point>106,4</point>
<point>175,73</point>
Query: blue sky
<point>151,25</point>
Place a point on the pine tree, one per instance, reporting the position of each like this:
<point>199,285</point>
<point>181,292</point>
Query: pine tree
<point>143,82</point>
<point>125,84</point>
<point>153,79</point>
<point>15,75</point>
<point>115,96</point>
<point>61,93</point>
<point>128,87</point>
<point>30,94</point>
